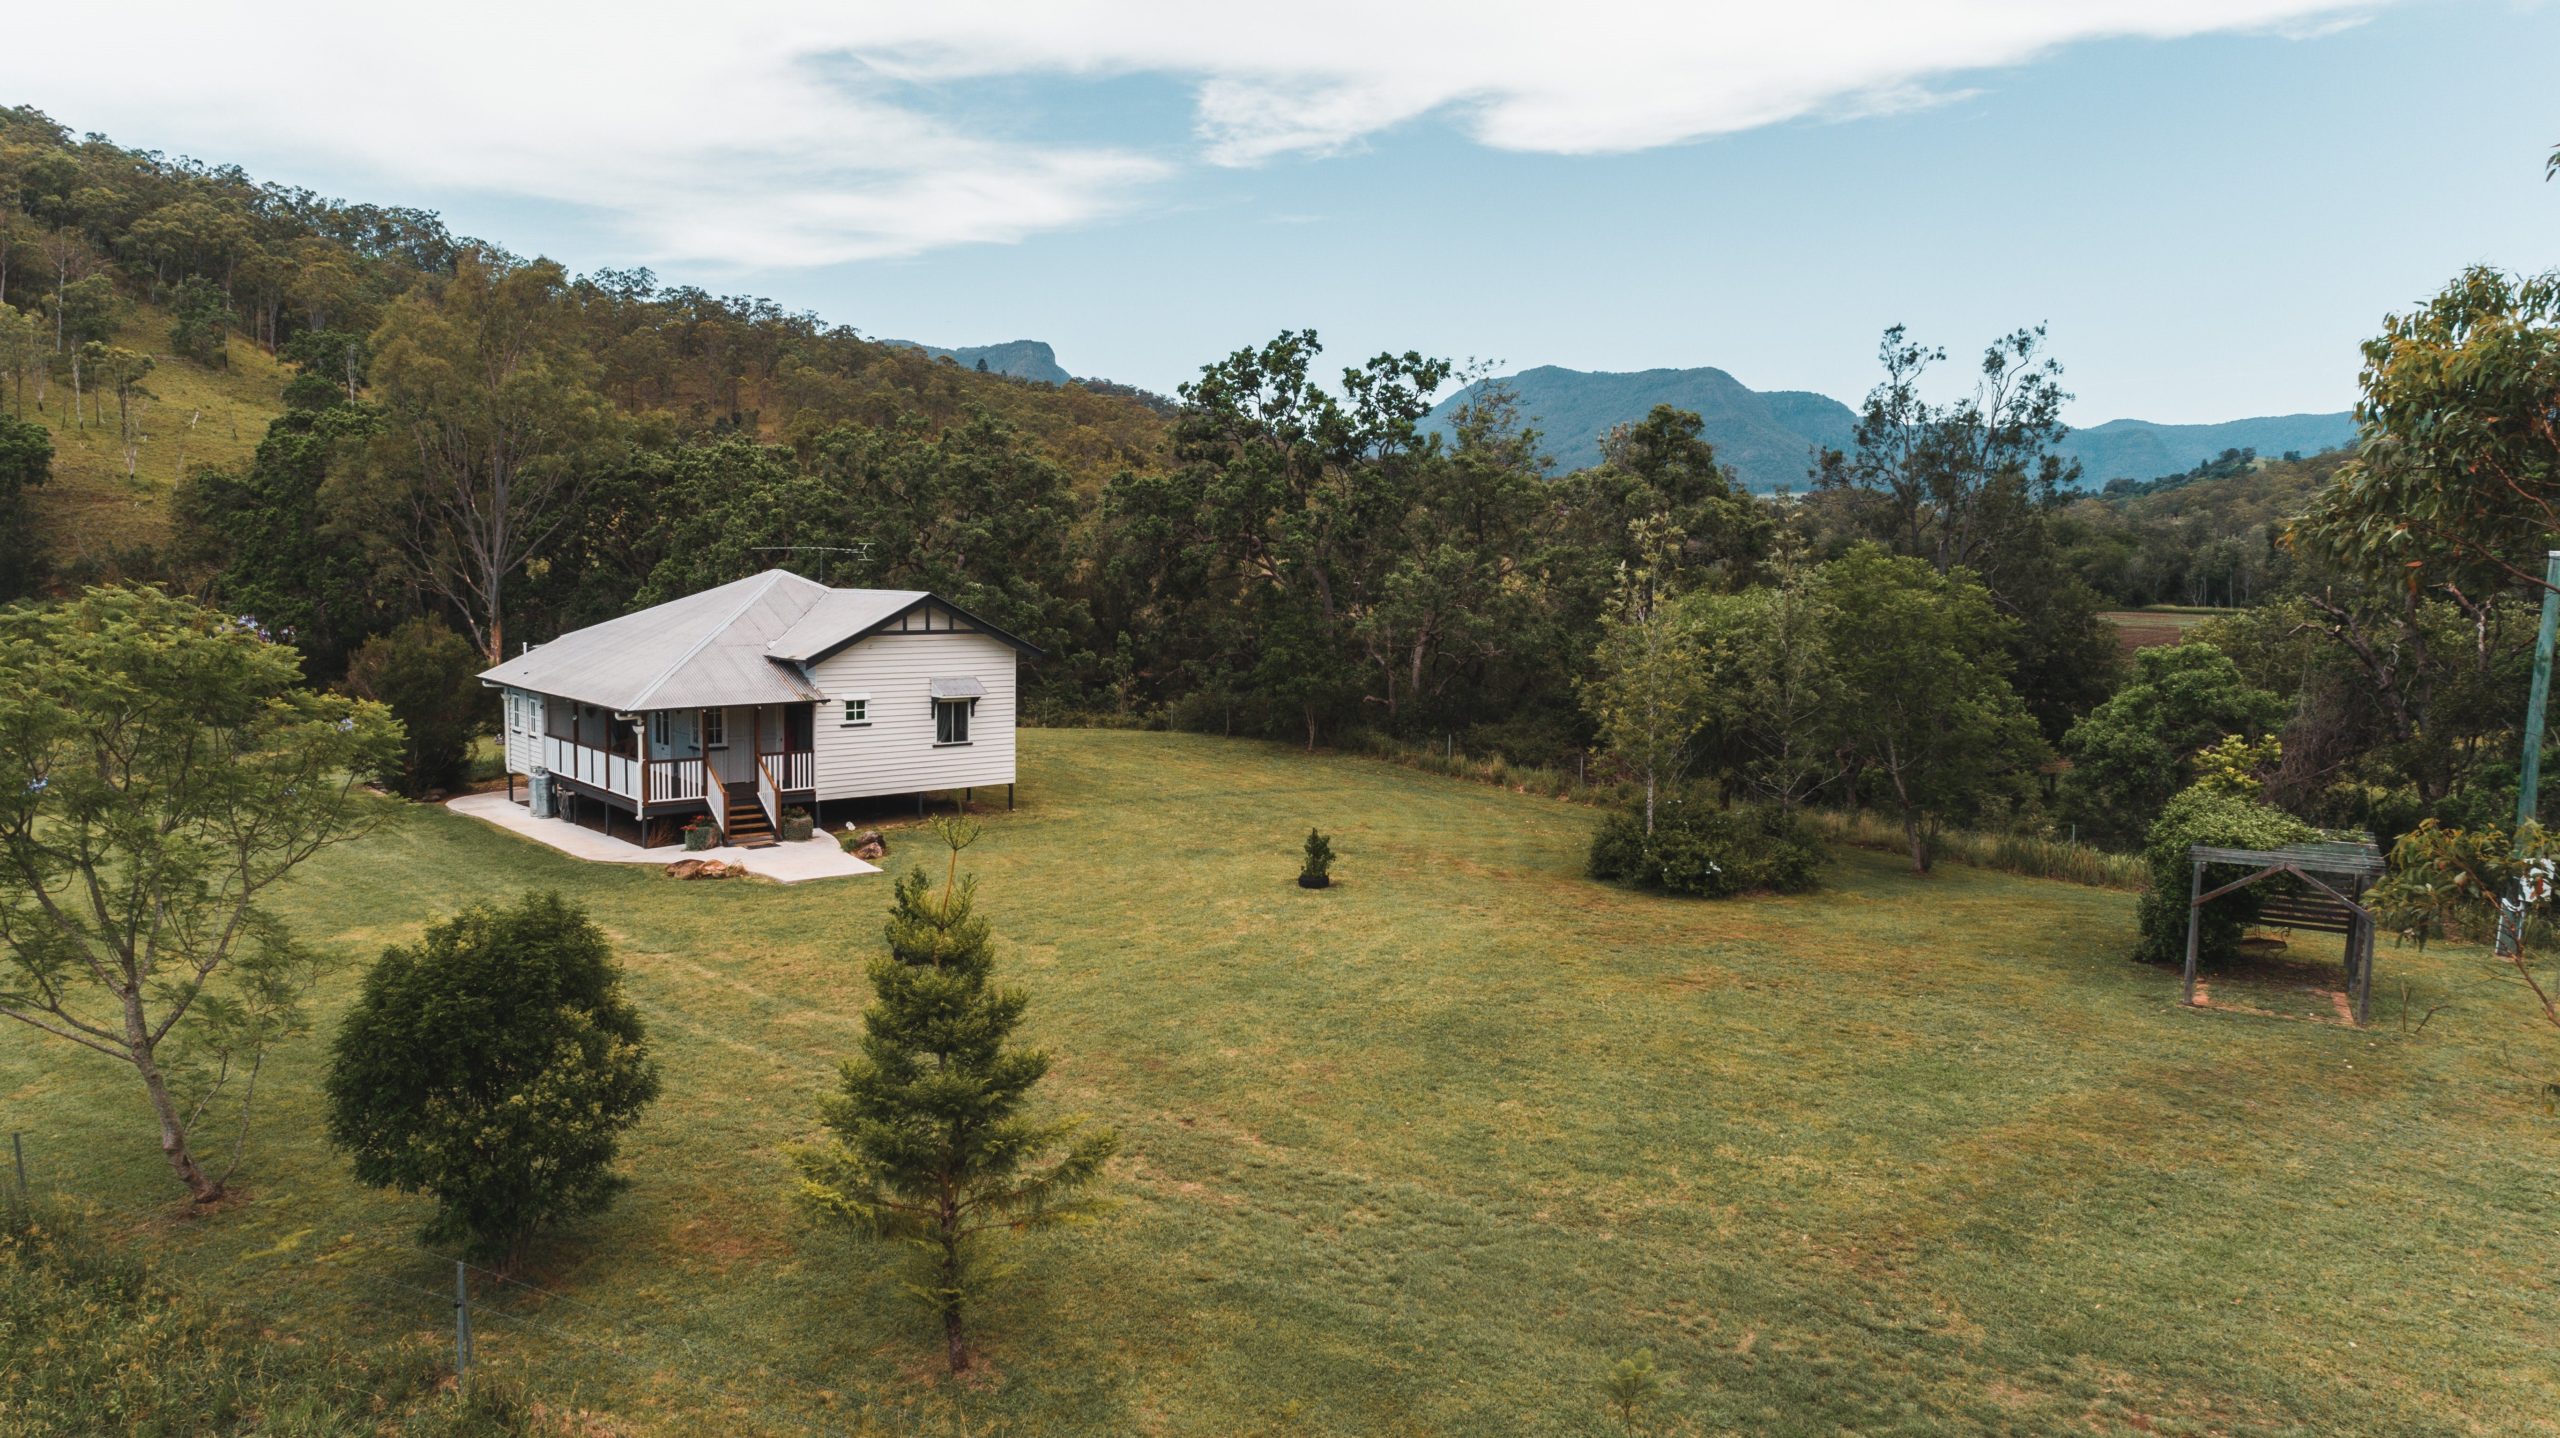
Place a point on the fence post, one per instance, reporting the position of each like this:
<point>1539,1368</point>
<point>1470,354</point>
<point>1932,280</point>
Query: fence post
<point>461,1321</point>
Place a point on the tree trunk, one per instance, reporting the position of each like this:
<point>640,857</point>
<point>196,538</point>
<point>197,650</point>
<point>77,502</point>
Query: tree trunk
<point>1911,826</point>
<point>201,1186</point>
<point>1648,803</point>
<point>955,1345</point>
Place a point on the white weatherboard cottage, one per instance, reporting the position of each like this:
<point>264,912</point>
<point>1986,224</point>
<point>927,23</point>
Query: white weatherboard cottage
<point>771,693</point>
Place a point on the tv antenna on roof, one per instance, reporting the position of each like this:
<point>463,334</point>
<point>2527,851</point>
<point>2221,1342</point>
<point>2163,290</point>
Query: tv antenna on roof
<point>859,549</point>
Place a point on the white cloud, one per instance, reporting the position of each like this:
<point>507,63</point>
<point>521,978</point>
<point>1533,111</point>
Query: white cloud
<point>777,133</point>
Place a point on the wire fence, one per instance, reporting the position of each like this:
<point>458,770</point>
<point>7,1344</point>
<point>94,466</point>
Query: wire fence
<point>480,1313</point>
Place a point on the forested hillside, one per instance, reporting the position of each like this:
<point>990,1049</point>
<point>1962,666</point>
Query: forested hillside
<point>2212,535</point>
<point>178,288</point>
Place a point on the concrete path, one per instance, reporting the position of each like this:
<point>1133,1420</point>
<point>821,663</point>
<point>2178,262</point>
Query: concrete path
<point>818,858</point>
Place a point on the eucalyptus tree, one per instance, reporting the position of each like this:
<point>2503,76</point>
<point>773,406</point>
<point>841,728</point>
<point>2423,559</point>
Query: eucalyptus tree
<point>1651,689</point>
<point>492,426</point>
<point>2456,480</point>
<point>1266,542</point>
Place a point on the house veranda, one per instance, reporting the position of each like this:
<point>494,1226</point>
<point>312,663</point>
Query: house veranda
<point>740,703</point>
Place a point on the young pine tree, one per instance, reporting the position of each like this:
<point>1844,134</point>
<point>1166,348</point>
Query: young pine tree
<point>931,1144</point>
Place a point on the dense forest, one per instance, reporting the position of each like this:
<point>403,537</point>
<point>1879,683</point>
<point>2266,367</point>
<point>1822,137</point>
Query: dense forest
<point>498,446</point>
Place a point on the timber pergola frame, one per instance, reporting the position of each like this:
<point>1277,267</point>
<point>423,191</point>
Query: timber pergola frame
<point>2349,869</point>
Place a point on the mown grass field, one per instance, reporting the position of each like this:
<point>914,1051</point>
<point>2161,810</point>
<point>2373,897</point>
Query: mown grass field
<point>1423,1153</point>
<point>2159,624</point>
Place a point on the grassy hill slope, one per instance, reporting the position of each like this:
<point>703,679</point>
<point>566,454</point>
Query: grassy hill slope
<point>94,516</point>
<point>1424,1153</point>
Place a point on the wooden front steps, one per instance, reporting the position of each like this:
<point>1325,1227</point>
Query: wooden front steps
<point>746,824</point>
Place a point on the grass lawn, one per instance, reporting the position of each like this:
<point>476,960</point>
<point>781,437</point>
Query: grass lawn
<point>1423,1153</point>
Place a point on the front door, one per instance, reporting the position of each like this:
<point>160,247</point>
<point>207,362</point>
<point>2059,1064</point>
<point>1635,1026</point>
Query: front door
<point>729,744</point>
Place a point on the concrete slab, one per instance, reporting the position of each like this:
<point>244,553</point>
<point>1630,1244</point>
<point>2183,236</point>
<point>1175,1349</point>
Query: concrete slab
<point>817,858</point>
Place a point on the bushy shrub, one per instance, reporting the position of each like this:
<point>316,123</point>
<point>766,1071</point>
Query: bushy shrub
<point>430,676</point>
<point>2205,815</point>
<point>494,1067</point>
<point>1708,852</point>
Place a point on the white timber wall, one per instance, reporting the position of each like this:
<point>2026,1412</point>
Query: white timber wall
<point>521,712</point>
<point>895,752</point>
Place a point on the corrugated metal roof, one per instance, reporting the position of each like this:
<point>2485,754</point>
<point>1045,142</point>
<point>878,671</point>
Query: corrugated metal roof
<point>838,613</point>
<point>963,688</point>
<point>722,646</point>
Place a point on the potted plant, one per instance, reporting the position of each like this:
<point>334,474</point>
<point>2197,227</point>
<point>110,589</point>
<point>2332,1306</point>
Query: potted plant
<point>1317,870</point>
<point>699,834</point>
<point>797,825</point>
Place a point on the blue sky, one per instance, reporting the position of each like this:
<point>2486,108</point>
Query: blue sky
<point>2210,215</point>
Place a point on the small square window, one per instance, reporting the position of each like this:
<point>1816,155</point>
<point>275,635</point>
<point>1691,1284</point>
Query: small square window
<point>950,721</point>
<point>857,709</point>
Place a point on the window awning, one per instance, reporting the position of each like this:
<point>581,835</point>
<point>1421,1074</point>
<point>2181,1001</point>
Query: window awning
<point>959,689</point>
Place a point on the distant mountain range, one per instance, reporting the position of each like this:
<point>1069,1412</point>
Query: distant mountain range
<point>1023,359</point>
<point>1767,436</point>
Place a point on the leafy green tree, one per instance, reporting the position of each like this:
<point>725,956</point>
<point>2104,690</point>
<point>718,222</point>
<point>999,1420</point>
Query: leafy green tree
<point>1773,695</point>
<point>1467,621</point>
<point>1950,478</point>
<point>200,322</point>
<point>162,768</point>
<point>87,311</point>
<point>974,514</point>
<point>2134,751</point>
<point>2456,479</point>
<point>429,677</point>
<point>1651,689</point>
<point>494,1066</point>
<point>265,545</point>
<point>1265,545</point>
<point>1661,469</point>
<point>1927,711</point>
<point>22,353</point>
<point>26,462</point>
<point>121,371</point>
<point>931,1143</point>
<point>341,358</point>
<point>492,425</point>
<point>1972,484</point>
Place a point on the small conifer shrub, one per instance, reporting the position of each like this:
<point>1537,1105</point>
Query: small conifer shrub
<point>1317,870</point>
